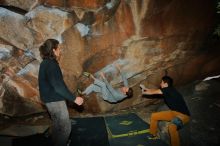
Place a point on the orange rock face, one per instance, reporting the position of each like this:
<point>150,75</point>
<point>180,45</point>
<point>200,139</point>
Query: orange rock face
<point>147,38</point>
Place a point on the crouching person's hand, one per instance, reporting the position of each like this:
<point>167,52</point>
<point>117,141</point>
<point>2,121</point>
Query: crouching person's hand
<point>79,100</point>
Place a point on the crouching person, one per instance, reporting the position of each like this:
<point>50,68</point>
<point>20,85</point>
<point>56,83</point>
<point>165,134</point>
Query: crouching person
<point>178,115</point>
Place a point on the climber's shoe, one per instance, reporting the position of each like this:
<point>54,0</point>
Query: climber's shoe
<point>87,74</point>
<point>79,92</point>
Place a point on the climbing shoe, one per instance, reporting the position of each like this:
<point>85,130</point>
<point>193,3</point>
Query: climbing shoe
<point>86,74</point>
<point>79,92</point>
<point>152,137</point>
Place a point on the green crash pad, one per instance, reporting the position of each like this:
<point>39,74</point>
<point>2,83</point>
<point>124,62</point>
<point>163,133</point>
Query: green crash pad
<point>126,125</point>
<point>129,130</point>
<point>137,140</point>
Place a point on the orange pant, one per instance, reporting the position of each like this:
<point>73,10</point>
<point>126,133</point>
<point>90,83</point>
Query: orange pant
<point>168,116</point>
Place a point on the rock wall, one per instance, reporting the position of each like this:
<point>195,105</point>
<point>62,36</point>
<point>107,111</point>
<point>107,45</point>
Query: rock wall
<point>146,38</point>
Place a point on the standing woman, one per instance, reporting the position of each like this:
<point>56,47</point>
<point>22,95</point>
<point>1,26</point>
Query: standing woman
<point>54,92</point>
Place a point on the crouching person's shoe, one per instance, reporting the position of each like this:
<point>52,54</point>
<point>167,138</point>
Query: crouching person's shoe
<point>152,137</point>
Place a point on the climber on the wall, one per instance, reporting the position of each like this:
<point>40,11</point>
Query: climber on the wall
<point>108,92</point>
<point>178,115</point>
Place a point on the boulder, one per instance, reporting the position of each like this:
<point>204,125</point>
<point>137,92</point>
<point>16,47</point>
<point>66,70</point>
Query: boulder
<point>148,39</point>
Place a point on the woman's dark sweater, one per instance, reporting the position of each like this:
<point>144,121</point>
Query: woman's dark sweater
<point>51,84</point>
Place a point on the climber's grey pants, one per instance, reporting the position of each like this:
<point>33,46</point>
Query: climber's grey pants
<point>61,124</point>
<point>108,92</point>
<point>99,87</point>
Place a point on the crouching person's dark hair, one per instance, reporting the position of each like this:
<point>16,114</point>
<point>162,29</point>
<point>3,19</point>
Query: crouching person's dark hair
<point>168,80</point>
<point>129,93</point>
